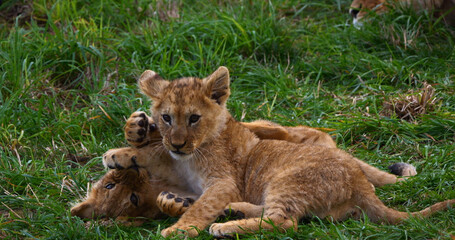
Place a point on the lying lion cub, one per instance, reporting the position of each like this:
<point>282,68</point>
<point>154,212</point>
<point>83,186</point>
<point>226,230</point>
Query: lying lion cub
<point>442,8</point>
<point>224,162</point>
<point>135,192</point>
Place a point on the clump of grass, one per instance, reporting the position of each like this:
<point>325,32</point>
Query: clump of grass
<point>411,105</point>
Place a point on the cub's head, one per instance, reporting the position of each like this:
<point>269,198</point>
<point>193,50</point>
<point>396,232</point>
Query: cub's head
<point>121,193</point>
<point>360,8</point>
<point>190,112</point>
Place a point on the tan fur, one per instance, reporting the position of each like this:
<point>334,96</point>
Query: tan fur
<point>445,8</point>
<point>227,163</point>
<point>141,132</point>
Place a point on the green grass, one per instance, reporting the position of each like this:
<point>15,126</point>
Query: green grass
<point>68,73</point>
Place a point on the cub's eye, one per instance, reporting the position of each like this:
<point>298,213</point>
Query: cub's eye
<point>194,118</point>
<point>110,186</point>
<point>166,118</point>
<point>134,199</point>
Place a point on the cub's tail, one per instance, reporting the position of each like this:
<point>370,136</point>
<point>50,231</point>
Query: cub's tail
<point>440,206</point>
<point>378,212</point>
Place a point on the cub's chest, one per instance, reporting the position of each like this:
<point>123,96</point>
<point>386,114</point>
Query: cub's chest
<point>186,170</point>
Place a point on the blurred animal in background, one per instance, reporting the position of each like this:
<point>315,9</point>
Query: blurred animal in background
<point>440,8</point>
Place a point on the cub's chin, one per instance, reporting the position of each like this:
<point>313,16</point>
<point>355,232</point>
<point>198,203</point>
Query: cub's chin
<point>180,156</point>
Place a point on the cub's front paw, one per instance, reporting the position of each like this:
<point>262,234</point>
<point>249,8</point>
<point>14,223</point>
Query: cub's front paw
<point>121,158</point>
<point>138,128</point>
<point>173,205</point>
<point>223,230</point>
<point>176,230</point>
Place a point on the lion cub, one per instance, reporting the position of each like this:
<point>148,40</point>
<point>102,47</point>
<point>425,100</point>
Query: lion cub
<point>442,8</point>
<point>224,162</point>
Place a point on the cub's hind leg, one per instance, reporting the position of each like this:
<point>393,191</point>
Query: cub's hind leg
<point>403,169</point>
<point>308,135</point>
<point>282,209</point>
<point>300,134</point>
<point>267,130</point>
<point>380,178</point>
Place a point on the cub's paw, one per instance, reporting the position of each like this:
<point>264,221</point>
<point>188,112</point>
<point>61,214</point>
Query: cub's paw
<point>173,205</point>
<point>121,158</point>
<point>224,230</point>
<point>232,214</point>
<point>178,230</point>
<point>403,169</point>
<point>137,129</point>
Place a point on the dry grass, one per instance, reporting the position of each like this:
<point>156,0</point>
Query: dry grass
<point>411,105</point>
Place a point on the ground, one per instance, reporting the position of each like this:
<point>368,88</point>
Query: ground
<point>68,73</point>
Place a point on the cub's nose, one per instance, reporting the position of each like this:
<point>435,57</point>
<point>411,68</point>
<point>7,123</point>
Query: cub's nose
<point>354,12</point>
<point>178,146</point>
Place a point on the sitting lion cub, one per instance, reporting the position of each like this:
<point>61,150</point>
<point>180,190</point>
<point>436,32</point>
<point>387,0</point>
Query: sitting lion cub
<point>134,191</point>
<point>224,162</point>
<point>442,8</point>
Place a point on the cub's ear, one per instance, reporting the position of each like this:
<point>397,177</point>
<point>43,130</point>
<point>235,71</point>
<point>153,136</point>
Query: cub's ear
<point>83,210</point>
<point>217,85</point>
<point>151,84</point>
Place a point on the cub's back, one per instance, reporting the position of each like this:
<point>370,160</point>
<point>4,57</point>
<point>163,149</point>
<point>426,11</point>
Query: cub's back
<point>276,153</point>
<point>295,165</point>
<point>271,157</point>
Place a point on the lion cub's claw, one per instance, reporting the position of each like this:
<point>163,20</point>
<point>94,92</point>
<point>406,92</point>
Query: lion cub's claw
<point>137,128</point>
<point>173,205</point>
<point>120,159</point>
